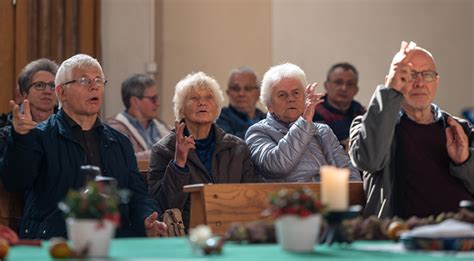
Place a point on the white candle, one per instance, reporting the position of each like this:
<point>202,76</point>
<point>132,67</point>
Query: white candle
<point>335,188</point>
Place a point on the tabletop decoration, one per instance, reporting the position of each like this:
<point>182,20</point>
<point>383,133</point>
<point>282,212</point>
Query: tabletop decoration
<point>450,235</point>
<point>298,219</point>
<point>335,187</point>
<point>92,216</point>
<point>203,242</point>
<point>259,231</point>
<point>334,232</point>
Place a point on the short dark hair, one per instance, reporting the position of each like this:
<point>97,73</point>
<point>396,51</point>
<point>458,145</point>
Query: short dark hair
<point>135,86</point>
<point>24,78</point>
<point>346,66</point>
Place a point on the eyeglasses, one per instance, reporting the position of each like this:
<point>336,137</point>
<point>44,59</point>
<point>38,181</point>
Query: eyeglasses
<point>340,82</point>
<point>153,98</point>
<point>39,86</point>
<point>237,88</point>
<point>86,82</point>
<point>428,76</point>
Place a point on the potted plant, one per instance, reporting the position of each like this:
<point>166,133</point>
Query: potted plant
<point>298,218</point>
<point>91,217</point>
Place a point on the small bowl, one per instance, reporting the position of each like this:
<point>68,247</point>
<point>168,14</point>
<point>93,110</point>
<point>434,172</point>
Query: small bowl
<point>438,244</point>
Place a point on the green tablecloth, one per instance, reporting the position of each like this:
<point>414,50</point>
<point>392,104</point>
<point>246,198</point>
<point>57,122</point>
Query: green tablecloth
<point>176,248</point>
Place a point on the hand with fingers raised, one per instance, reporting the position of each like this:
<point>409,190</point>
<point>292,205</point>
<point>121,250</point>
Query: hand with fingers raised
<point>23,123</point>
<point>312,99</point>
<point>183,145</point>
<point>399,74</point>
<point>155,228</point>
<point>456,142</point>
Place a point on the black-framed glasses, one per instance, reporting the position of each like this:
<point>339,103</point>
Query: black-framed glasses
<point>153,98</point>
<point>247,88</point>
<point>86,82</point>
<point>428,76</point>
<point>39,86</point>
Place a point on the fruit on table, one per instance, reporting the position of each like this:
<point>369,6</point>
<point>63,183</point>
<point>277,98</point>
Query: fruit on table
<point>60,249</point>
<point>4,247</point>
<point>395,229</point>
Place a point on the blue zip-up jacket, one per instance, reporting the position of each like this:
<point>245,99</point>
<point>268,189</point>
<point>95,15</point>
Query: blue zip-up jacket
<point>45,163</point>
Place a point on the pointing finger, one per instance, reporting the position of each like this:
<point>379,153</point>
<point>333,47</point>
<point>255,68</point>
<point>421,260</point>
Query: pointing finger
<point>26,109</point>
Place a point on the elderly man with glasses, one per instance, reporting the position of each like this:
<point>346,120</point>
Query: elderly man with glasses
<point>44,159</point>
<point>417,159</point>
<point>243,91</point>
<point>139,120</point>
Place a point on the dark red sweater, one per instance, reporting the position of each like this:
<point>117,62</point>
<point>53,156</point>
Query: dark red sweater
<point>424,184</point>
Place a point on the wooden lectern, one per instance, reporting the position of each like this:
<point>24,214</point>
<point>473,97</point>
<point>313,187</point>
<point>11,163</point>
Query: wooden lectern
<point>219,205</point>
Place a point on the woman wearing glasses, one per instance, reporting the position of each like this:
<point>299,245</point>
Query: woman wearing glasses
<point>196,151</point>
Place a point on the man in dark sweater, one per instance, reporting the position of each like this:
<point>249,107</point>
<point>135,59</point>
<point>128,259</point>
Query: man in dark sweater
<point>417,159</point>
<point>339,107</point>
<point>243,91</point>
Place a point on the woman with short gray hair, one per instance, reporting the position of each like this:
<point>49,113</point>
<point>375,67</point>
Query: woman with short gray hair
<point>196,151</point>
<point>287,146</point>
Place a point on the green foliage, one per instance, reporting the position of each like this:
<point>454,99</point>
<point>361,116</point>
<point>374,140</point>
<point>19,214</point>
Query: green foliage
<point>94,201</point>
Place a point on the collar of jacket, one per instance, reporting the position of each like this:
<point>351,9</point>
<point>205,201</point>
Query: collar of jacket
<point>66,131</point>
<point>282,127</point>
<point>437,114</point>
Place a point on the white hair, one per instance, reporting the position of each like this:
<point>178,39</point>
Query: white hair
<point>276,74</point>
<point>191,81</point>
<point>66,69</point>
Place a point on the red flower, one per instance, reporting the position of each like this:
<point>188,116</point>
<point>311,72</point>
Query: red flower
<point>300,202</point>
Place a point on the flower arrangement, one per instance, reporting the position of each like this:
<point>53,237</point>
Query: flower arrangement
<point>97,200</point>
<point>302,202</point>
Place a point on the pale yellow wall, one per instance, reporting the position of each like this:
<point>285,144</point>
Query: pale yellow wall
<point>212,36</point>
<point>317,33</point>
<point>128,45</point>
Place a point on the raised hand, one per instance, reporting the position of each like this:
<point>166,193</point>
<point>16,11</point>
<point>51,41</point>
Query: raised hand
<point>155,228</point>
<point>312,99</point>
<point>456,142</point>
<point>22,122</point>
<point>399,74</point>
<point>183,145</point>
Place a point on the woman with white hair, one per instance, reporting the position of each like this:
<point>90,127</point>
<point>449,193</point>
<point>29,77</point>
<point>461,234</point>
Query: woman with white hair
<point>287,146</point>
<point>196,151</point>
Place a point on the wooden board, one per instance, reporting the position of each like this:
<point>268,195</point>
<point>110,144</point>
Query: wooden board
<point>219,205</point>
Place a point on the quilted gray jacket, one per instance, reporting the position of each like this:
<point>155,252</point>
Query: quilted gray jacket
<point>296,152</point>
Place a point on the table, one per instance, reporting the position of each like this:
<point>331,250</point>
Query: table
<point>178,248</point>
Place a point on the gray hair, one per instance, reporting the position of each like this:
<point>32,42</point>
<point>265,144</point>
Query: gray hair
<point>24,78</point>
<point>276,74</point>
<point>191,81</point>
<point>65,71</point>
<point>242,70</point>
<point>134,86</point>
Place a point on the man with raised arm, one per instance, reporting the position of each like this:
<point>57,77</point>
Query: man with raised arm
<point>44,159</point>
<point>417,159</point>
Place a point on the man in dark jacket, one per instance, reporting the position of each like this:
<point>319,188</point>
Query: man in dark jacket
<point>417,159</point>
<point>243,91</point>
<point>44,159</point>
